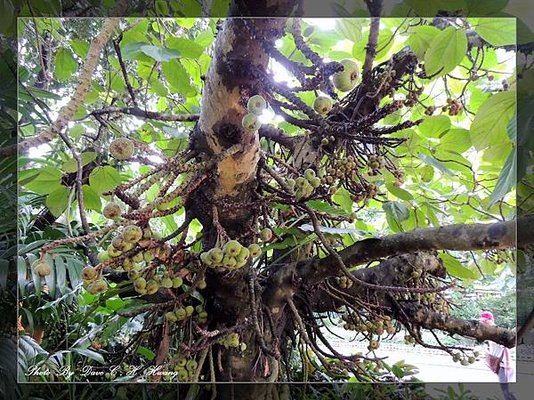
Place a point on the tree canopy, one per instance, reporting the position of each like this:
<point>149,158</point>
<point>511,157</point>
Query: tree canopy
<point>207,196</point>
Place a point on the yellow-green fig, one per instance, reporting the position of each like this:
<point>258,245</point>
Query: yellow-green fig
<point>251,123</point>
<point>346,79</point>
<point>132,234</point>
<point>89,274</point>
<point>121,148</point>
<point>112,210</point>
<point>256,104</point>
<point>97,286</point>
<point>323,104</point>
<point>41,268</point>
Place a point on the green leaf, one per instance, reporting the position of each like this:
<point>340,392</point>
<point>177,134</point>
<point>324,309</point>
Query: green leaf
<point>80,47</point>
<point>342,197</point>
<point>71,166</point>
<point>159,53</point>
<point>446,51</point>
<point>399,192</point>
<point>58,200</point>
<point>506,180</point>
<point>497,31</point>
<point>185,47</point>
<point>324,207</point>
<point>178,78</point>
<point>91,198</point>
<point>349,28</point>
<point>435,125</point>
<point>48,180</point>
<point>493,116</point>
<point>146,352</point>
<point>456,268</point>
<point>397,210</point>
<point>435,163</point>
<point>458,140</point>
<point>421,38</point>
<point>103,179</point>
<point>64,64</point>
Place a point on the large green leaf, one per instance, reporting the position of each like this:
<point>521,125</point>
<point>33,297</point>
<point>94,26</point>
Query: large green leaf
<point>349,28</point>
<point>47,180</point>
<point>497,31</point>
<point>64,64</point>
<point>456,268</point>
<point>434,126</point>
<point>421,38</point>
<point>489,125</point>
<point>185,47</point>
<point>58,200</point>
<point>91,198</point>
<point>506,180</point>
<point>446,51</point>
<point>157,53</point>
<point>104,178</point>
<point>71,166</point>
<point>178,78</point>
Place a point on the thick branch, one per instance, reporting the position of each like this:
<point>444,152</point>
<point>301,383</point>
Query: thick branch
<point>138,112</point>
<point>84,83</point>
<point>422,316</point>
<point>374,7</point>
<point>286,281</point>
<point>277,135</point>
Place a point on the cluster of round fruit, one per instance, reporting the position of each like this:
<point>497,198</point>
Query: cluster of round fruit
<point>345,166</point>
<point>231,340</point>
<point>304,185</point>
<point>347,78</point>
<point>121,148</point>
<point>378,326</point>
<point>41,267</point>
<point>375,163</point>
<point>344,282</point>
<point>233,255</point>
<point>255,106</point>
<point>184,368</point>
<point>92,280</point>
<point>413,97</point>
<point>409,339</point>
<point>464,359</point>
<point>182,313</point>
<point>454,107</point>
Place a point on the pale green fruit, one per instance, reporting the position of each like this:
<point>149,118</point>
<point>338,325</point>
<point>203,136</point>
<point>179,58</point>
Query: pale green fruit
<point>133,274</point>
<point>255,250</point>
<point>89,274</point>
<point>191,365</point>
<point>232,248</point>
<point>256,104</point>
<point>202,284</point>
<point>346,80</point>
<point>137,258</point>
<point>41,268</point>
<point>300,182</point>
<point>229,262</point>
<point>251,123</point>
<point>152,287</point>
<point>243,255</point>
<point>181,314</point>
<point>323,104</point>
<point>103,256</point>
<point>170,316</point>
<point>177,282</point>
<point>241,263</point>
<point>97,286</point>
<point>121,148</point>
<point>113,252</point>
<point>203,315</point>
<point>181,361</point>
<point>290,183</point>
<point>112,210</point>
<point>216,255</point>
<point>148,256</point>
<point>166,283</point>
<point>132,233</point>
<point>189,310</point>
<point>139,283</point>
<point>182,375</point>
<point>266,234</point>
<point>315,182</point>
<point>118,242</point>
<point>199,308</point>
<point>309,174</point>
<point>206,259</point>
